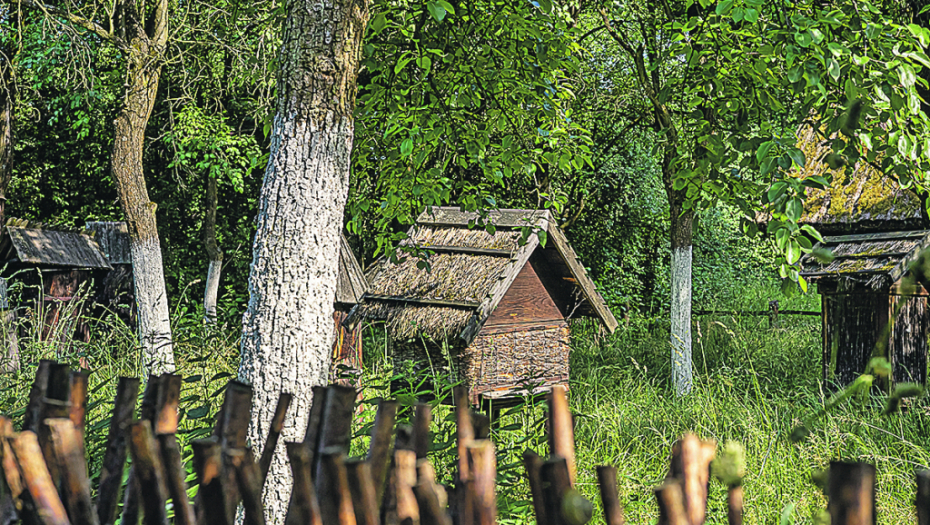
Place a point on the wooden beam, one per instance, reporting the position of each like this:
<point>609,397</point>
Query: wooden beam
<point>588,289</point>
<point>417,300</point>
<point>883,236</point>
<point>494,252</point>
<point>505,218</point>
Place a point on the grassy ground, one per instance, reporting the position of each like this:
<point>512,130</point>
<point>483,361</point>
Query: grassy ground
<point>753,385</point>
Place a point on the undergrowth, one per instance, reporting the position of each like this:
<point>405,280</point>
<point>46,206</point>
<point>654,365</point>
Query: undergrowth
<point>753,384</point>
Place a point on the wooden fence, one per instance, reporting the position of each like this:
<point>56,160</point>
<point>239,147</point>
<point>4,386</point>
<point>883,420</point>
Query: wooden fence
<point>45,479</point>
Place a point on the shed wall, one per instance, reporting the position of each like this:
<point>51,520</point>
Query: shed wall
<point>526,302</point>
<point>909,339</point>
<point>852,325</point>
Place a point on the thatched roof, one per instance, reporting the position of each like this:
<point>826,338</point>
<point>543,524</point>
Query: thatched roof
<point>877,259</point>
<point>469,272</point>
<point>861,198</point>
<point>51,247</point>
<point>350,282</point>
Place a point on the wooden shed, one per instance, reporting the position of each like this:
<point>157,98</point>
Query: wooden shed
<point>351,286</point>
<point>57,265</point>
<point>874,229</point>
<point>116,292</point>
<point>491,308</point>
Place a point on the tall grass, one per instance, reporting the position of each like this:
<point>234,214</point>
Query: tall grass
<point>753,384</point>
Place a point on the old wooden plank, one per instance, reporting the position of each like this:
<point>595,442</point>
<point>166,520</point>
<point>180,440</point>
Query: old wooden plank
<point>503,218</point>
<point>883,236</point>
<point>526,301</point>
<point>417,300</point>
<point>494,252</point>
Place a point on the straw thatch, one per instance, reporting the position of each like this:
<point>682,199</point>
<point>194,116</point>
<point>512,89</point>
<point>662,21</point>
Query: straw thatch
<point>408,321</point>
<point>451,276</point>
<point>860,199</point>
<point>427,236</point>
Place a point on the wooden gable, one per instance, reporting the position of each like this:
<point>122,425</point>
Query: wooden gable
<point>527,302</point>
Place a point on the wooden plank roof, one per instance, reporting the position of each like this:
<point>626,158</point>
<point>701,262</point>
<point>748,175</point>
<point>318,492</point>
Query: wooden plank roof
<point>350,282</point>
<point>113,238</point>
<point>470,271</point>
<point>879,259</point>
<point>49,247</point>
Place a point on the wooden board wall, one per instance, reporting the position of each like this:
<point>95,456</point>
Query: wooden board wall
<point>525,304</point>
<point>909,339</point>
<point>852,325</point>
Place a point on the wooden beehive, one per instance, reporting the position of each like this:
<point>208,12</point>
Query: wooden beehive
<point>491,309</point>
<point>874,229</point>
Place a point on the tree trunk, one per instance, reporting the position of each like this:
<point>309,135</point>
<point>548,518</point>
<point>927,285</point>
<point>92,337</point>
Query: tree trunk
<point>288,326</point>
<point>214,254</point>
<point>148,272</point>
<point>681,222</point>
<point>10,361</point>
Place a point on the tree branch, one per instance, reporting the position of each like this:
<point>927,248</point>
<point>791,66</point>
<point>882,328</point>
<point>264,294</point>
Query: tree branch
<point>73,19</point>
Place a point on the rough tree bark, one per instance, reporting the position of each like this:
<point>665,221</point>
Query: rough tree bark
<point>10,361</point>
<point>139,30</point>
<point>214,254</point>
<point>288,326</point>
<point>143,56</point>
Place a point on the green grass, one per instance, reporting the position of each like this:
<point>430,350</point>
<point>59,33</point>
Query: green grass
<point>753,384</point>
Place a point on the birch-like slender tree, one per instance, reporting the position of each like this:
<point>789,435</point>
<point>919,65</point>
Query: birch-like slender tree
<point>288,326</point>
<point>139,31</point>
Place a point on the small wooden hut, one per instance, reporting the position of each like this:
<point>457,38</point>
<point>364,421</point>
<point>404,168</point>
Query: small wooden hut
<point>491,308</point>
<point>350,288</point>
<point>57,265</point>
<point>874,229</point>
<point>116,292</point>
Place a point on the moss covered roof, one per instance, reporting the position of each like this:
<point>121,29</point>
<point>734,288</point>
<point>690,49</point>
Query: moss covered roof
<point>860,199</point>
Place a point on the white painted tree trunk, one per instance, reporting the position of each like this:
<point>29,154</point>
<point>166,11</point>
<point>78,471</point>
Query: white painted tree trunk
<point>152,306</point>
<point>681,319</point>
<point>288,326</point>
<point>214,272</point>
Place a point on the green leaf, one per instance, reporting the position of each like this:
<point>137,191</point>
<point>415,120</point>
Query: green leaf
<point>406,147</point>
<point>797,156</point>
<point>777,190</point>
<point>907,75</point>
<point>802,282</point>
<point>545,5</point>
<point>764,149</point>
<point>436,10</point>
<point>724,7</point>
<point>794,208</point>
<point>833,67</point>
<point>787,515</point>
<point>543,236</point>
<point>378,23</point>
<point>447,6</point>
<point>810,230</point>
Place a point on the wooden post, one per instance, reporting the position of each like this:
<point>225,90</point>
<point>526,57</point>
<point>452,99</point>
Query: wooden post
<point>68,444</point>
<point>533,463</point>
<point>166,428</point>
<point>335,498</point>
<point>851,493</point>
<point>362,488</point>
<point>691,458</point>
<point>923,497</point>
<point>422,418</point>
<point>735,505</point>
<point>33,414</point>
<point>271,441</point>
<point>131,497</point>
<point>405,478</point>
<point>12,480</point>
<point>249,480</point>
<point>149,472</point>
<point>336,425</point>
<point>304,508</point>
<point>77,400</point>
<point>48,507</point>
<point>671,502</point>
<point>379,450</point>
<point>54,405</point>
<point>561,429</point>
<point>556,483</point>
<point>236,417</point>
<point>114,458</point>
<point>208,463</point>
<point>607,480</point>
<point>483,467</point>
